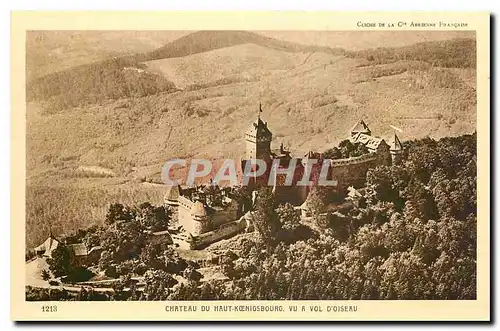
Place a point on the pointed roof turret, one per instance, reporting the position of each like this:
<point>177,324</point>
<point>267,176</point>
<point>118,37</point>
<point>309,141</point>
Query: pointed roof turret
<point>259,128</point>
<point>47,246</point>
<point>396,145</point>
<point>360,127</point>
<point>172,195</point>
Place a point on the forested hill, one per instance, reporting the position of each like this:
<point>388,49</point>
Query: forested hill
<point>454,53</point>
<point>204,41</point>
<point>124,77</point>
<point>96,82</point>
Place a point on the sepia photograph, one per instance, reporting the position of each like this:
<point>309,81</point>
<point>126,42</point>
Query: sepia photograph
<point>251,166</point>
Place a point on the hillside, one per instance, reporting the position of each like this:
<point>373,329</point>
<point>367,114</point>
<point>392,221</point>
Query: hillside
<point>310,99</point>
<point>204,41</point>
<point>94,83</point>
<point>234,64</point>
<point>303,96</point>
<point>356,40</point>
<point>53,51</point>
<point>455,53</point>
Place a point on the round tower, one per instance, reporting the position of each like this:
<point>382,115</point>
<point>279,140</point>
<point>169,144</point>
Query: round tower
<point>199,218</point>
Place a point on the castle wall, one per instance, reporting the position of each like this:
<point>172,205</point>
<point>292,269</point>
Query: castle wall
<point>197,227</point>
<point>354,160</point>
<point>348,172</point>
<point>352,171</point>
<point>225,231</point>
<point>185,218</point>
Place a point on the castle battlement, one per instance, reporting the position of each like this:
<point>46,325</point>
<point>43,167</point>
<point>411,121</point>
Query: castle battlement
<point>354,160</point>
<point>185,202</point>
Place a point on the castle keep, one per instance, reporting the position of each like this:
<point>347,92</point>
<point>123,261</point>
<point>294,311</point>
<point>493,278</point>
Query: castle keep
<point>258,140</point>
<point>202,220</point>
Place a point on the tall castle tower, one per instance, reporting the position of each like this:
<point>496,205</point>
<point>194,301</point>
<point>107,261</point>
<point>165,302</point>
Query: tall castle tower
<point>258,140</point>
<point>396,150</point>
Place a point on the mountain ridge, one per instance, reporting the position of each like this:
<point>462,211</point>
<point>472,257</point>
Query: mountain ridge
<point>107,80</point>
<point>99,81</point>
<point>190,44</point>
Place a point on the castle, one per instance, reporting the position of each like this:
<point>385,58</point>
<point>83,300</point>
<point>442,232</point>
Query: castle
<point>205,221</point>
<point>347,171</point>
